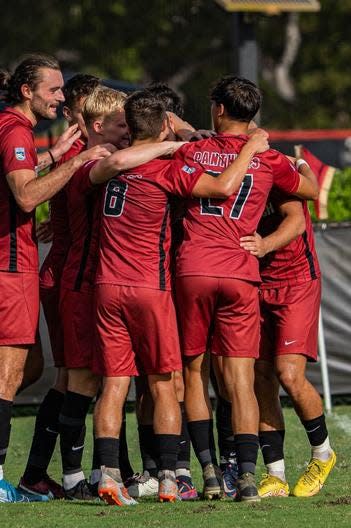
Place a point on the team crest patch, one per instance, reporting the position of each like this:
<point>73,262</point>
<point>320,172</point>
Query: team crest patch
<point>20,153</point>
<point>188,170</point>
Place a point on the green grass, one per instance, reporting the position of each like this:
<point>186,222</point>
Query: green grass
<point>332,507</point>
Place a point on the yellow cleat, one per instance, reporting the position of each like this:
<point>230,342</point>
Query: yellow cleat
<point>271,486</point>
<point>312,480</point>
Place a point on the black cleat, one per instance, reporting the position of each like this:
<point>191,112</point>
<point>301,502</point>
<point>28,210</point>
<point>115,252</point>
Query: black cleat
<point>213,483</point>
<point>247,490</point>
<point>81,491</point>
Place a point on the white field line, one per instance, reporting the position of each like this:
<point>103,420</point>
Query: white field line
<point>343,421</point>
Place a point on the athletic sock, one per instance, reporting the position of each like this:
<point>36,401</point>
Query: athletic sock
<point>183,461</point>
<point>317,433</point>
<point>148,449</point>
<point>124,462</point>
<point>72,432</point>
<point>107,449</point>
<point>44,438</point>
<point>1,473</point>
<point>183,472</point>
<point>5,427</point>
<point>168,451</point>
<point>201,434</point>
<point>246,448</point>
<point>272,447</point>
<point>225,430</point>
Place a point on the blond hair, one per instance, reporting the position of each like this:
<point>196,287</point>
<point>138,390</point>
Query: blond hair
<point>102,102</point>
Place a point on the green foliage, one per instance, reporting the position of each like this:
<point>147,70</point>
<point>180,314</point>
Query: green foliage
<point>42,212</point>
<point>339,203</point>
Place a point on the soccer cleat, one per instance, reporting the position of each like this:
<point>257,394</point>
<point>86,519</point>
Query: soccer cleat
<point>112,490</point>
<point>247,490</point>
<point>46,486</point>
<point>142,485</point>
<point>213,482</point>
<point>230,477</point>
<point>313,479</point>
<point>8,493</point>
<point>81,491</point>
<point>271,486</point>
<point>168,489</point>
<point>186,488</point>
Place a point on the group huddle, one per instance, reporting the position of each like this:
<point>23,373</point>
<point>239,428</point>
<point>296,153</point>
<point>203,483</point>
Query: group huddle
<point>177,256</point>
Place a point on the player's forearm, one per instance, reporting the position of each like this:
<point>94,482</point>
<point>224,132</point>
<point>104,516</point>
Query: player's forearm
<point>39,190</point>
<point>129,158</point>
<point>288,230</point>
<point>231,178</point>
<point>44,161</point>
<point>308,187</point>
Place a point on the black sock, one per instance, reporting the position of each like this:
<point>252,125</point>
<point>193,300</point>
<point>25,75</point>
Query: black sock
<point>107,450</point>
<point>184,443</point>
<point>45,436</point>
<point>272,445</point>
<point>5,427</point>
<point>201,434</point>
<point>72,430</point>
<point>168,450</point>
<point>316,430</point>
<point>124,462</point>
<point>246,448</point>
<point>148,449</point>
<point>225,430</point>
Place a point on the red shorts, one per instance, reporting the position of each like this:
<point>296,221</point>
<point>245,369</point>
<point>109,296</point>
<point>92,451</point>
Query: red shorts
<point>19,308</point>
<point>136,331</point>
<point>220,314</point>
<point>76,310</point>
<point>289,320</point>
<point>50,300</point>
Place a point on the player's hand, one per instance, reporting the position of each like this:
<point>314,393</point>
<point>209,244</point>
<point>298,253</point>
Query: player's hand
<point>97,152</point>
<point>65,141</point>
<point>255,244</point>
<point>258,138</point>
<point>44,232</point>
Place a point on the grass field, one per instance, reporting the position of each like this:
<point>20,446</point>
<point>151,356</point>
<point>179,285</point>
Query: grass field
<point>331,508</point>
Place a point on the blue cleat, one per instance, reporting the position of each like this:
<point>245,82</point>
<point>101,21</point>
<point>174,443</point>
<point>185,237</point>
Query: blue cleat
<point>230,478</point>
<point>9,493</point>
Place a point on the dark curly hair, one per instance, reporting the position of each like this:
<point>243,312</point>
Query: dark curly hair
<point>145,113</point>
<point>169,97</point>
<point>26,72</point>
<point>80,85</point>
<point>240,97</point>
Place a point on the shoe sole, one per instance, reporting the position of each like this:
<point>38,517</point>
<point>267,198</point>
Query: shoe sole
<point>212,494</point>
<point>111,498</point>
<point>272,495</point>
<point>256,498</point>
<point>167,498</point>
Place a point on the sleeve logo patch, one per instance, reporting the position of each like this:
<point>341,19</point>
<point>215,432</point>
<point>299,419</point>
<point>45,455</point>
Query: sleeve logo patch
<point>188,170</point>
<point>20,153</point>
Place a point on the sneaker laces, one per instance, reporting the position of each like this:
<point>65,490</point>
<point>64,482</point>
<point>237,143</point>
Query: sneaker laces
<point>312,472</point>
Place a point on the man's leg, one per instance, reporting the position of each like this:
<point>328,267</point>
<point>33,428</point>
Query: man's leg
<point>34,366</point>
<point>81,389</point>
<point>271,430</point>
<point>108,416</point>
<point>309,408</point>
<point>167,427</point>
<point>200,422</point>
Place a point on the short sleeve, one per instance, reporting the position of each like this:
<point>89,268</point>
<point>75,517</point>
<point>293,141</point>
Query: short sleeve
<point>180,178</point>
<point>285,175</point>
<point>18,151</point>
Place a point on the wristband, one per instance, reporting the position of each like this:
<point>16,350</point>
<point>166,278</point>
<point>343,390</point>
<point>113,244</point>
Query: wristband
<point>300,162</point>
<point>52,157</point>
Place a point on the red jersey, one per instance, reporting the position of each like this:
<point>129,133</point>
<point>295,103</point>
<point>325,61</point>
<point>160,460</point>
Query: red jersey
<point>82,198</point>
<point>18,246</point>
<point>213,227</point>
<point>295,263</point>
<point>135,229</point>
<point>51,270</point>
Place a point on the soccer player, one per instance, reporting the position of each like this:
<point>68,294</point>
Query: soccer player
<point>34,91</point>
<point>104,118</point>
<point>136,322</point>
<point>35,478</point>
<point>289,301</point>
<point>217,281</point>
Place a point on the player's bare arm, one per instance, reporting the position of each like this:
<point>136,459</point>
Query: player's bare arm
<point>229,181</point>
<point>63,144</point>
<point>131,157</point>
<point>292,225</point>
<point>308,187</point>
<point>30,191</point>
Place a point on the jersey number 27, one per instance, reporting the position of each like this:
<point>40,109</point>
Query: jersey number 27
<point>206,208</point>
